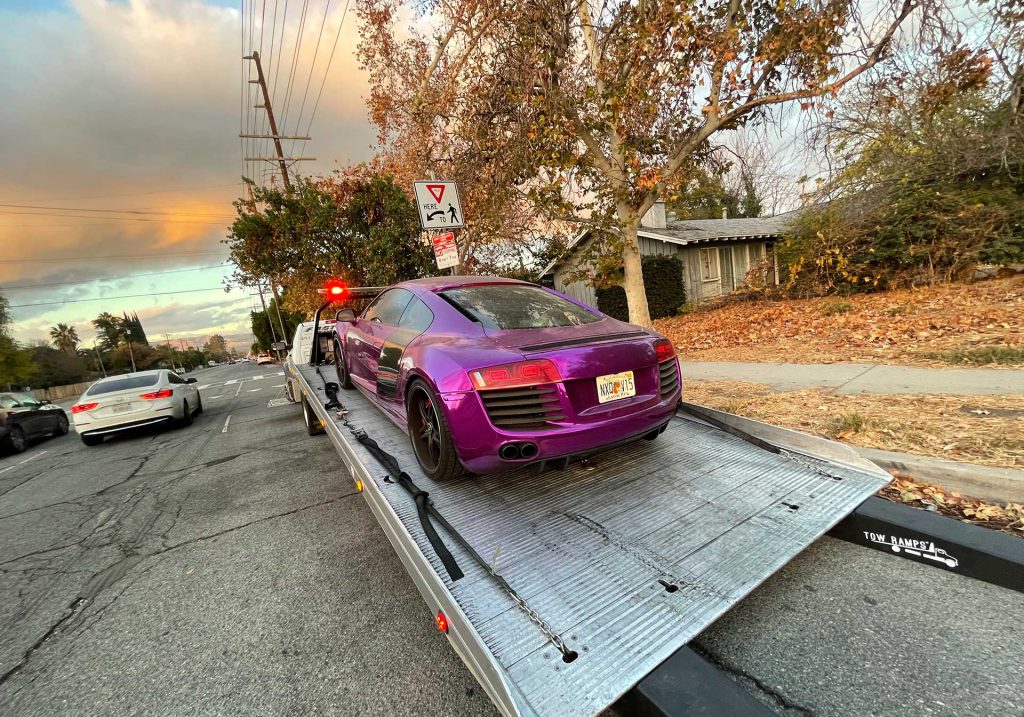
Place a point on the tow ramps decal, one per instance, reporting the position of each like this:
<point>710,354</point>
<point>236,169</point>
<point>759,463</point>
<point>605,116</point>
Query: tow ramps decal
<point>921,548</point>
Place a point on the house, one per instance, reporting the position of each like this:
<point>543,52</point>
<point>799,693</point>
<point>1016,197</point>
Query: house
<point>715,253</point>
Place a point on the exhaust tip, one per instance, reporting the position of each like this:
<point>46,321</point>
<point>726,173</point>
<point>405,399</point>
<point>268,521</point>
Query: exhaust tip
<point>509,451</point>
<point>529,450</point>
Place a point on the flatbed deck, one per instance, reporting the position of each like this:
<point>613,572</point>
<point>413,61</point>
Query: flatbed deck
<point>622,559</point>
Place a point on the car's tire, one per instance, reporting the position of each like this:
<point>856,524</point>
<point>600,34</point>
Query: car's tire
<point>16,442</point>
<point>341,367</point>
<point>186,419</point>
<point>62,426</point>
<point>92,440</point>
<point>199,404</point>
<point>428,431</point>
<point>313,427</point>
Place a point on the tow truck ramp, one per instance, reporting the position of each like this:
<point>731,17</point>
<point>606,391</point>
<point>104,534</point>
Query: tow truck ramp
<point>578,582</point>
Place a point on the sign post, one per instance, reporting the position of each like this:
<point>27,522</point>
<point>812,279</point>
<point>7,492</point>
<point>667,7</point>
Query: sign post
<point>439,208</point>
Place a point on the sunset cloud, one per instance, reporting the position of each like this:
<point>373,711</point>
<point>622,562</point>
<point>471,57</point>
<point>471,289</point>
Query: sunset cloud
<point>136,105</point>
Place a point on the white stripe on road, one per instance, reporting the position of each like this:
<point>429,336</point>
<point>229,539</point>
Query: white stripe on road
<point>257,378</point>
<point>278,385</point>
<point>30,458</point>
<point>228,383</point>
<point>226,422</point>
<point>210,398</point>
<point>238,391</point>
<point>251,390</point>
<point>205,385</point>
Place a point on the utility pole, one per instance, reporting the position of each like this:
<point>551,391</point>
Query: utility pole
<point>279,158</point>
<point>99,358</point>
<point>277,305</point>
<point>273,334</point>
<point>131,353</point>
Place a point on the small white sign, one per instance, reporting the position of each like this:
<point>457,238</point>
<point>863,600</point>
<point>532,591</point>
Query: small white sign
<point>446,250</point>
<point>438,204</point>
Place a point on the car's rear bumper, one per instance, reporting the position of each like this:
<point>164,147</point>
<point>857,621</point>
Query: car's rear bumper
<point>108,428</point>
<point>478,442</point>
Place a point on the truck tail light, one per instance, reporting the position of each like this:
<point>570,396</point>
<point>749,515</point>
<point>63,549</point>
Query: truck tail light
<point>512,375</point>
<point>162,393</point>
<point>83,407</point>
<point>665,350</point>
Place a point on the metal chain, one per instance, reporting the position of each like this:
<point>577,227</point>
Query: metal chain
<point>799,460</point>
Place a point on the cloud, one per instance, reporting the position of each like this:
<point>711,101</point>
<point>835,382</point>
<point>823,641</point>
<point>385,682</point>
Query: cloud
<point>117,105</point>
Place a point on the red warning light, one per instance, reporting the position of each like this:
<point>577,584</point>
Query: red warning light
<point>442,622</point>
<point>334,289</point>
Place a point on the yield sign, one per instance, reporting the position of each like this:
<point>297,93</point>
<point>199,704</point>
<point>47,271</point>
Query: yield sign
<point>438,204</point>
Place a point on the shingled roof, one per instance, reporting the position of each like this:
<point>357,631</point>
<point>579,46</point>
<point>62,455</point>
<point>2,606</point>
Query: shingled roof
<point>696,231</point>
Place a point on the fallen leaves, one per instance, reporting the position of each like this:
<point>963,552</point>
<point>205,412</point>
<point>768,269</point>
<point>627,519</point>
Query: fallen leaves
<point>903,327</point>
<point>904,489</point>
<point>948,427</point>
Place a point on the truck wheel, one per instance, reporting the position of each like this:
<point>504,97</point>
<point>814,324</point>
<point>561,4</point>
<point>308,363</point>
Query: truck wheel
<point>428,431</point>
<point>313,427</point>
<point>341,367</point>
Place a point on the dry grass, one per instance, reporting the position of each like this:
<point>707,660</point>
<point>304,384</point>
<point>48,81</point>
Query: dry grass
<point>932,326</point>
<point>1008,518</point>
<point>988,430</point>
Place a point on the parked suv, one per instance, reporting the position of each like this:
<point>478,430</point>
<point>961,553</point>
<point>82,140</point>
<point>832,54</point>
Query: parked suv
<point>23,418</point>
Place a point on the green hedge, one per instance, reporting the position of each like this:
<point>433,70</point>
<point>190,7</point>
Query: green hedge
<point>663,282</point>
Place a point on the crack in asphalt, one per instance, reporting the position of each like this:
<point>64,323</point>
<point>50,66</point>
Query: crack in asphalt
<point>779,699</point>
<point>106,578</point>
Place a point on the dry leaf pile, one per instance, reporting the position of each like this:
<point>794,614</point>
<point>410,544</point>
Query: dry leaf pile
<point>902,327</point>
<point>987,430</point>
<point>1008,518</point>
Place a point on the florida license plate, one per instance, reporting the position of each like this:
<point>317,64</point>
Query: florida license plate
<point>615,386</point>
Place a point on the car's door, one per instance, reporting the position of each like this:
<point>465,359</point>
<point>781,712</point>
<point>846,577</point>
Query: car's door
<point>28,415</point>
<point>188,390</point>
<point>365,339</point>
<point>416,318</point>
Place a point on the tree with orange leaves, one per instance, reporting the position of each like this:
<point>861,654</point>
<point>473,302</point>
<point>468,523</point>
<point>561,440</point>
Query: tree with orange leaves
<point>588,111</point>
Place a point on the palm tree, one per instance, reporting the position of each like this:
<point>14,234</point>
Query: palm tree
<point>64,337</point>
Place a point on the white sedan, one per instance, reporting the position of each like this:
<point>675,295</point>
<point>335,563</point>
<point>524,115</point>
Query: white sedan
<point>133,400</point>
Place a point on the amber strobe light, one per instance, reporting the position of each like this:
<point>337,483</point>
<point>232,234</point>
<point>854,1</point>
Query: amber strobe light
<point>334,290</point>
<point>442,622</point>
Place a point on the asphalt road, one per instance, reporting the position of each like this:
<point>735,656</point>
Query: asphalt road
<point>230,568</point>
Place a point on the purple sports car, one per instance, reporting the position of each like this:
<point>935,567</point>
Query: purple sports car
<point>487,374</point>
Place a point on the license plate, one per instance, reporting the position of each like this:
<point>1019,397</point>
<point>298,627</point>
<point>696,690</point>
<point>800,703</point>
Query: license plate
<point>615,386</point>
<point>124,407</point>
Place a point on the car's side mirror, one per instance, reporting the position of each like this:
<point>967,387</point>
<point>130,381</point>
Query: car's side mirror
<point>348,315</point>
<point>44,402</point>
<point>281,346</point>
<point>192,379</point>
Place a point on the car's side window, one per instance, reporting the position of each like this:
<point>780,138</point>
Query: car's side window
<point>25,400</point>
<point>175,378</point>
<point>416,317</point>
<point>388,307</point>
<point>8,402</point>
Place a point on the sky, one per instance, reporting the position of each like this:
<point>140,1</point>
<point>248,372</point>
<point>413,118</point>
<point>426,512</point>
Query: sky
<point>137,105</point>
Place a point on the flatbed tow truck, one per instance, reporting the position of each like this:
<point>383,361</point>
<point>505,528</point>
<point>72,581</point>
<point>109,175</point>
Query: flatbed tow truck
<point>561,589</point>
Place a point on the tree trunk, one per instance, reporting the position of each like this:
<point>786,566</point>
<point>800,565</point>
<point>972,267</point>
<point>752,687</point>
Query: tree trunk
<point>633,279</point>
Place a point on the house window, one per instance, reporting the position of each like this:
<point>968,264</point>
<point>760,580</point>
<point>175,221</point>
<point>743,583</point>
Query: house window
<point>709,270</point>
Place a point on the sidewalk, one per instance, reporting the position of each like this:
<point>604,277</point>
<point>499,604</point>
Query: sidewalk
<point>860,378</point>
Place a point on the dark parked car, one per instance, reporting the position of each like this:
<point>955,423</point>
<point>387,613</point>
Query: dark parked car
<point>23,418</point>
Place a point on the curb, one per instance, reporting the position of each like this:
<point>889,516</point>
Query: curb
<point>933,539</point>
<point>996,485</point>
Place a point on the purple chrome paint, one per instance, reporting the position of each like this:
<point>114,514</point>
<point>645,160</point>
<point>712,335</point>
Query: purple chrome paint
<point>453,345</point>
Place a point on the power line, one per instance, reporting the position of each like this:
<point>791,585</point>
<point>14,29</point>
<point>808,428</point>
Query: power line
<point>104,258</point>
<point>113,298</point>
<point>294,65</point>
<point>120,219</point>
<point>108,278</point>
<point>312,68</point>
<point>117,211</point>
<point>133,194</point>
<point>330,59</point>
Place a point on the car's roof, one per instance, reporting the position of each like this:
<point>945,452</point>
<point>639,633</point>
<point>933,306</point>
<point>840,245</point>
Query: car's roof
<point>438,283</point>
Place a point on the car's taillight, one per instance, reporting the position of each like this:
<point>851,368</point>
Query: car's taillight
<point>511,375</point>
<point>81,407</point>
<point>665,349</point>
<point>162,393</point>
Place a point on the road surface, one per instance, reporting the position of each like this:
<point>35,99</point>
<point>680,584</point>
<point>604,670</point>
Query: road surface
<point>230,568</point>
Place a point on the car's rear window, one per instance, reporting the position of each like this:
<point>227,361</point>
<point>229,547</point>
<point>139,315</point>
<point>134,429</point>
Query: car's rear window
<point>517,306</point>
<point>122,383</point>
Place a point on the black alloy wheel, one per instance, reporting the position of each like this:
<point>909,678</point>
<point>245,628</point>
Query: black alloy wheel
<point>428,431</point>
